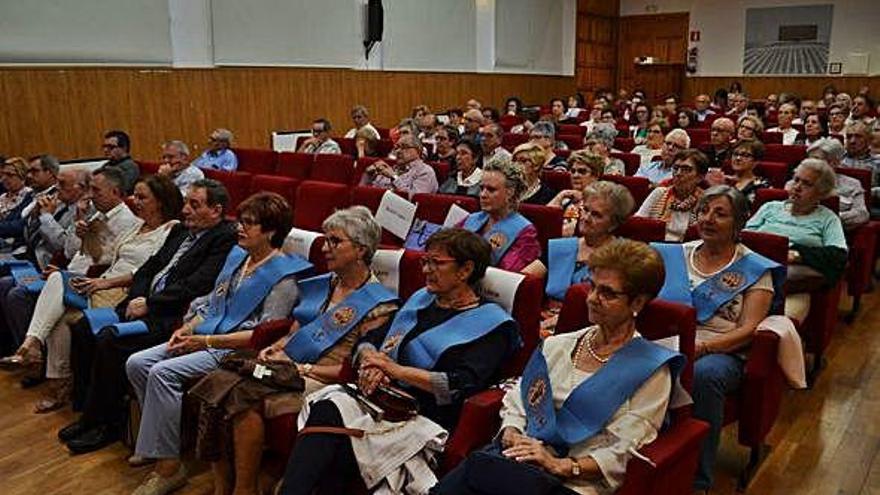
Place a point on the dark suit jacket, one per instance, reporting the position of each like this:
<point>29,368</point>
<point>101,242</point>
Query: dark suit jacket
<point>193,276</point>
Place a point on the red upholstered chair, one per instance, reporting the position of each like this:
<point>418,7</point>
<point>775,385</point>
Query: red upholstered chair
<point>384,132</point>
<point>776,173</point>
<point>862,244</point>
<point>676,450</point>
<point>237,183</point>
<point>771,137</point>
<point>384,147</point>
<point>557,179</point>
<point>148,168</point>
<point>284,186</point>
<point>256,161</point>
<point>295,165</point>
<point>639,187</point>
<point>546,219</point>
<point>434,207</point>
<point>511,141</point>
<point>631,161</point>
<point>441,170</point>
<point>361,165</point>
<point>624,144</point>
<point>347,145</point>
<point>333,168</point>
<point>698,136</point>
<point>818,326</point>
<point>573,141</point>
<point>572,130</point>
<point>309,245</point>
<point>316,201</point>
<point>791,155</point>
<point>642,229</point>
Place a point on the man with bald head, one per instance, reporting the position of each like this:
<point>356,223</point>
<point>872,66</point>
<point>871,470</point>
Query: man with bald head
<point>720,141</point>
<point>409,173</point>
<point>176,165</point>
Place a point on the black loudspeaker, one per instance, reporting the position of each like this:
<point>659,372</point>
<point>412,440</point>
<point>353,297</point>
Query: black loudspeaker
<point>375,24</point>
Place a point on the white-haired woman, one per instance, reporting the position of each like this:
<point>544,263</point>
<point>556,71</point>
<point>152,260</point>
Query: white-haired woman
<point>853,210</point>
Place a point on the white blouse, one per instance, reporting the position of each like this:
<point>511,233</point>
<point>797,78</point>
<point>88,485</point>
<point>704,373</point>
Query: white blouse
<point>135,248</point>
<point>633,425</point>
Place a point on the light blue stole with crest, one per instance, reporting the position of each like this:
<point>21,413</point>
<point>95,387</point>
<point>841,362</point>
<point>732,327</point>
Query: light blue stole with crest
<point>561,262</point>
<point>720,288</point>
<point>425,350</point>
<point>318,331</point>
<point>502,234</point>
<point>592,404</point>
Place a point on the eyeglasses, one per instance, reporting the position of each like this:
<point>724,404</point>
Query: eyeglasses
<point>682,169</point>
<point>315,132</point>
<point>581,171</point>
<point>743,154</point>
<point>604,293</point>
<point>335,241</point>
<point>248,221</point>
<point>674,146</point>
<point>747,128</point>
<point>432,262</point>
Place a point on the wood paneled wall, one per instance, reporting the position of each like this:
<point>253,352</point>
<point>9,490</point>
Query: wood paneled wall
<point>64,111</point>
<point>759,87</point>
<point>662,36</point>
<point>596,46</point>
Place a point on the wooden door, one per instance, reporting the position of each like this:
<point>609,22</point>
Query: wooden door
<point>663,37</point>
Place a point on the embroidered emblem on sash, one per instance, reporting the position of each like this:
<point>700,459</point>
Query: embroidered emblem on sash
<point>537,391</point>
<point>222,288</point>
<point>390,343</point>
<point>732,280</point>
<point>497,240</point>
<point>342,316</point>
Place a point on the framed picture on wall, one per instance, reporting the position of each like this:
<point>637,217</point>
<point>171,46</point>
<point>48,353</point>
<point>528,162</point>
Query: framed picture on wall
<point>788,40</point>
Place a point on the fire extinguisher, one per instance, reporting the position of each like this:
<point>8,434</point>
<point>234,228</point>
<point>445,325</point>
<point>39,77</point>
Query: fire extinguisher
<point>693,55</point>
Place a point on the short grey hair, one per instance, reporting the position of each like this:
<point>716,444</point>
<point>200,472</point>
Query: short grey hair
<point>514,177</point>
<point>738,202</point>
<point>411,140</point>
<point>222,135</point>
<point>759,125</point>
<point>680,133</point>
<point>832,150</point>
<point>617,196</point>
<point>49,163</point>
<point>359,225</point>
<point>180,145</point>
<point>545,128</point>
<point>603,132</point>
<point>827,180</point>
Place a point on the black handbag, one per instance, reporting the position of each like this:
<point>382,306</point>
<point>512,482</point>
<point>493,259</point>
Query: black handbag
<point>488,472</point>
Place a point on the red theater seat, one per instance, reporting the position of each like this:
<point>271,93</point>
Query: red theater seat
<point>557,179</point>
<point>572,130</point>
<point>434,207</point>
<point>642,229</point>
<point>631,162</point>
<point>333,168</point>
<point>546,219</point>
<point>776,173</point>
<point>771,137</point>
<point>573,141</point>
<point>284,186</point>
<point>511,141</point>
<point>791,155</point>
<point>624,144</point>
<point>148,168</point>
<point>256,161</point>
<point>639,187</point>
<point>698,136</point>
<point>316,201</point>
<point>441,170</point>
<point>295,165</point>
<point>237,183</point>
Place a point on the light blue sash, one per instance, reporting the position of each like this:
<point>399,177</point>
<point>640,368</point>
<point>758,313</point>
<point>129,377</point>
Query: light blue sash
<point>313,292</point>
<point>229,310</point>
<point>561,261</point>
<point>502,235</point>
<point>25,274</point>
<point>100,318</point>
<point>593,403</point>
<point>720,288</point>
<point>424,350</point>
<point>325,330</point>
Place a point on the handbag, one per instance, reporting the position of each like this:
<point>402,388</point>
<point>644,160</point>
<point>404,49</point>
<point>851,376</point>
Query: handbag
<point>488,472</point>
<point>419,233</point>
<point>284,376</point>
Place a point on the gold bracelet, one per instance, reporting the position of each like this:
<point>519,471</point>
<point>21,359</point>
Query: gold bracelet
<point>208,342</point>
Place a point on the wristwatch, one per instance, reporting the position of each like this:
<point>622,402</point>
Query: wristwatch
<point>575,468</point>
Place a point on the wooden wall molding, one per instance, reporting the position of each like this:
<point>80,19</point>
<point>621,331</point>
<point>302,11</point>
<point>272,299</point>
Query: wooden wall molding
<point>64,111</point>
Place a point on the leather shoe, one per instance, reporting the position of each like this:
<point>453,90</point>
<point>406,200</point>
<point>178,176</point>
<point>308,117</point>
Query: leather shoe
<point>93,439</point>
<point>72,431</point>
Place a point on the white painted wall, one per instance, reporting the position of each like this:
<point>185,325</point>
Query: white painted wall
<point>855,29</point>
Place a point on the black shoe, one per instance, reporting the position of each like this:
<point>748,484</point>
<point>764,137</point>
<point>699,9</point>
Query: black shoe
<point>72,431</point>
<point>32,381</point>
<point>94,439</point>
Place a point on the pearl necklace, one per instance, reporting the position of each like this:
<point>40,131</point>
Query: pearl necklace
<point>587,341</point>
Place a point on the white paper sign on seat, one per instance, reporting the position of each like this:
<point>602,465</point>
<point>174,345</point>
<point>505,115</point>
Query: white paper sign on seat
<point>299,241</point>
<point>395,214</point>
<point>500,286</point>
<point>386,266</point>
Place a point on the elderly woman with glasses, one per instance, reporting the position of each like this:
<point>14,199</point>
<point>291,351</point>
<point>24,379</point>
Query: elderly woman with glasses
<point>852,208</point>
<point>530,157</point>
<point>660,171</point>
<point>586,168</point>
<point>257,284</point>
<point>335,310</point>
<point>676,204</point>
<point>746,155</point>
<point>837,115</point>
<point>556,433</point>
<point>513,238</point>
<point>817,245</point>
<point>543,133</point>
<point>466,180</point>
<point>749,128</point>
<point>726,319</point>
<point>408,174</point>
<point>445,344</point>
<point>12,202</point>
<point>600,141</point>
<point>653,145</point>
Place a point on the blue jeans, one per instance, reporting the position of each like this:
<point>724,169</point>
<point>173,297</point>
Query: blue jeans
<point>715,377</point>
